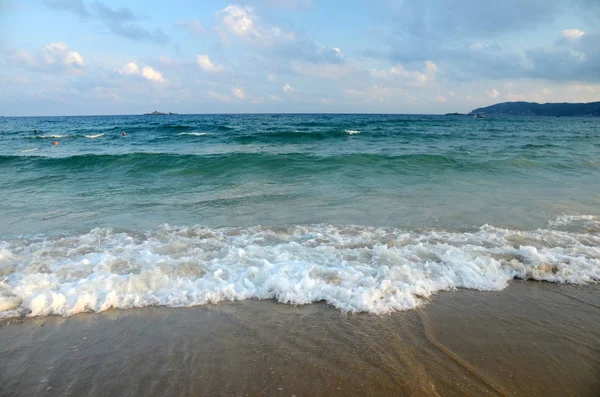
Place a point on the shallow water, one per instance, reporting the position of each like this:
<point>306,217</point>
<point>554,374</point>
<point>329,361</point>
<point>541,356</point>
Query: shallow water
<point>189,209</point>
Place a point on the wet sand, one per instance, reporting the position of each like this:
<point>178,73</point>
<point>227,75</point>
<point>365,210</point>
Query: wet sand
<point>532,339</point>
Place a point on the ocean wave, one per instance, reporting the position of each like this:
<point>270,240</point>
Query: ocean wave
<point>94,136</point>
<point>566,219</point>
<point>294,136</point>
<point>353,268</point>
<point>265,162</point>
<point>193,133</point>
<point>53,136</point>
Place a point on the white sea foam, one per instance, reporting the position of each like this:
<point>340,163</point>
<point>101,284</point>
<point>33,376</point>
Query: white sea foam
<point>564,220</point>
<point>94,136</point>
<point>54,136</point>
<point>352,132</point>
<point>353,268</point>
<point>193,133</point>
<point>30,150</point>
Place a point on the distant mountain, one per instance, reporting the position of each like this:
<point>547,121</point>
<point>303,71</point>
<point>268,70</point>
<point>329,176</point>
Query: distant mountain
<point>545,109</point>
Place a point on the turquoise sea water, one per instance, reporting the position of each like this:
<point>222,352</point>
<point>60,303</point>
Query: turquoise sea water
<point>280,205</point>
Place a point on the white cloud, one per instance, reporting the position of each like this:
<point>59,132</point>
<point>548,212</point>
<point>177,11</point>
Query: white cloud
<point>411,77</point>
<point>288,88</point>
<point>469,98</point>
<point>275,98</point>
<point>451,93</point>
<point>152,74</point>
<point>272,78</point>
<point>239,20</point>
<point>58,54</point>
<point>325,101</point>
<point>74,58</point>
<point>242,21</point>
<point>206,64</point>
<point>573,34</point>
<point>129,69</point>
<point>238,93</point>
<point>441,99</point>
<point>493,93</point>
<point>147,72</point>
<point>476,46</point>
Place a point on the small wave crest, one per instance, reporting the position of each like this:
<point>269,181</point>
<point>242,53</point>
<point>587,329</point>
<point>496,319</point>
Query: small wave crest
<point>54,136</point>
<point>193,133</point>
<point>355,269</point>
<point>352,132</point>
<point>565,220</point>
<point>94,136</point>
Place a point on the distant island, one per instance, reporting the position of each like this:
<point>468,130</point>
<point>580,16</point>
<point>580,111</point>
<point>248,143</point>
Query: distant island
<point>591,109</point>
<point>157,113</point>
<point>455,114</point>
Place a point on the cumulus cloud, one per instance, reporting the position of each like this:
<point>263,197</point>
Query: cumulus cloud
<point>206,64</point>
<point>245,24</point>
<point>493,93</point>
<point>54,57</point>
<point>573,34</point>
<point>147,72</point>
<point>271,77</point>
<point>55,53</point>
<point>238,93</point>
<point>152,74</point>
<point>129,69</point>
<point>274,98</point>
<point>441,99</point>
<point>288,88</point>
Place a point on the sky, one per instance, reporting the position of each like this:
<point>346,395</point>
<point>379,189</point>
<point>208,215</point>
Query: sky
<point>90,57</point>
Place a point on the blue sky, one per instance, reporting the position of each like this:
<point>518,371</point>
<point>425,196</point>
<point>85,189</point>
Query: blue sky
<point>71,57</point>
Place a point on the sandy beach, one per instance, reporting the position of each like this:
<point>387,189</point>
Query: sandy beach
<point>532,339</point>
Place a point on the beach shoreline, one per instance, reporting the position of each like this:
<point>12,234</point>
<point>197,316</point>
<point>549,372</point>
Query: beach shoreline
<point>531,339</point>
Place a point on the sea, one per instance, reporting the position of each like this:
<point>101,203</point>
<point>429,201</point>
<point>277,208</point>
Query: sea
<point>367,213</point>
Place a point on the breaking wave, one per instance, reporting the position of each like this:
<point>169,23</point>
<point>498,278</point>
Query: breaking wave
<point>354,268</point>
